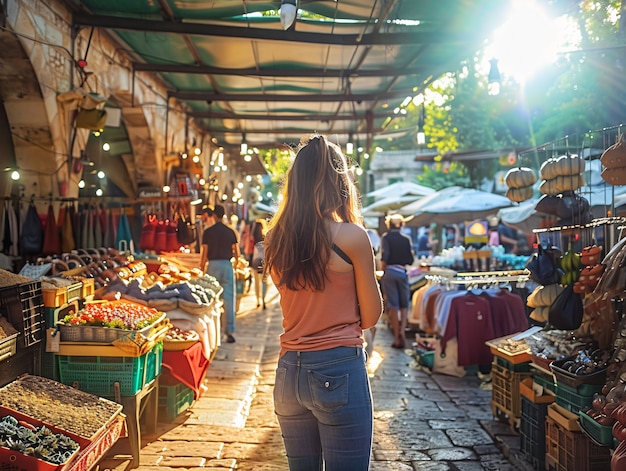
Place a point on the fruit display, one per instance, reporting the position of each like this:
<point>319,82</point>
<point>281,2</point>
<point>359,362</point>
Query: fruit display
<point>115,314</point>
<point>176,334</point>
<point>571,265</point>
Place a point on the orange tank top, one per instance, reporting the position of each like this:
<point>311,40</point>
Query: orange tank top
<point>319,320</point>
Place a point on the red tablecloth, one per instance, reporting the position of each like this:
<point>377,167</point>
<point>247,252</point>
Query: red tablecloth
<point>188,366</point>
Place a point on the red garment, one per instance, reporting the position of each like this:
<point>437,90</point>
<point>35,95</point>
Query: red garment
<point>517,310</point>
<point>470,321</point>
<point>188,366</point>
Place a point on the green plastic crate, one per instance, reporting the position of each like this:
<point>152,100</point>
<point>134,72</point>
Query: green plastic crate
<point>97,375</point>
<point>517,367</point>
<point>570,398</point>
<point>174,400</point>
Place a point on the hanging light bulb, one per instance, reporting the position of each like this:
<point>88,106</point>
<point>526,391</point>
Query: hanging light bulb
<point>196,159</point>
<point>106,147</point>
<point>101,174</point>
<point>493,81</point>
<point>81,184</point>
<point>15,175</point>
<point>166,188</point>
<point>99,192</point>
<point>244,145</point>
<point>288,11</point>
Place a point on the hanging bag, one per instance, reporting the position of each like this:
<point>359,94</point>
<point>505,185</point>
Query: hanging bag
<point>31,240</point>
<point>258,256</point>
<point>51,240</point>
<point>566,312</point>
<point>544,267</point>
<point>147,239</point>
<point>185,232</point>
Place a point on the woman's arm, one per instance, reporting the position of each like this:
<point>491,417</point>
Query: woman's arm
<point>354,241</point>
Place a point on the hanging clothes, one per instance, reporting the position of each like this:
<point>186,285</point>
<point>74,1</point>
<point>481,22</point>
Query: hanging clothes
<point>11,230</point>
<point>51,239</point>
<point>68,242</point>
<point>124,238</point>
<point>109,233</point>
<point>97,228</point>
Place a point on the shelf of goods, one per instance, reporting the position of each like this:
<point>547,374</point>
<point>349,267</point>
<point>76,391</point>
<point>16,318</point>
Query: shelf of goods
<point>93,423</point>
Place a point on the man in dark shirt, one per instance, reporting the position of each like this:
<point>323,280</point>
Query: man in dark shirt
<point>219,245</point>
<point>508,238</point>
<point>395,255</point>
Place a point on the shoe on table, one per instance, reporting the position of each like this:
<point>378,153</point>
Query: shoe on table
<point>230,338</point>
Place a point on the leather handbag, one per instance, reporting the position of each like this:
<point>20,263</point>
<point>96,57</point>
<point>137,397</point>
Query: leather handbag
<point>544,267</point>
<point>566,312</point>
<point>185,232</point>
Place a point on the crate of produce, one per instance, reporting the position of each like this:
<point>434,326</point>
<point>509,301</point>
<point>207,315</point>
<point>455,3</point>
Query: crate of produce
<point>23,306</point>
<point>100,446</point>
<point>55,297</point>
<point>574,381</point>
<point>532,432</point>
<point>53,314</point>
<point>98,374</point>
<point>79,413</point>
<point>569,398</point>
<point>568,450</point>
<point>506,389</point>
<point>67,444</point>
<point>599,434</point>
<point>511,350</point>
<point>174,400</point>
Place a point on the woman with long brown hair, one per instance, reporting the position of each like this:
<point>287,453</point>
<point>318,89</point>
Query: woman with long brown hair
<point>320,258</point>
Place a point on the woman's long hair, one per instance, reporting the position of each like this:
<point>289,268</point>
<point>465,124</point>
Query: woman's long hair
<point>318,188</point>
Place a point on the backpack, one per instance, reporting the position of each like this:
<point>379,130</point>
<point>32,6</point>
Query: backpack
<point>258,256</point>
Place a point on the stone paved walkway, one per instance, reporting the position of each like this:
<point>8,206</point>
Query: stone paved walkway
<point>422,421</point>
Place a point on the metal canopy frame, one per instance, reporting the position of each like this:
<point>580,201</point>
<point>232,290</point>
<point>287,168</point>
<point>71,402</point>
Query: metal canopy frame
<point>343,69</point>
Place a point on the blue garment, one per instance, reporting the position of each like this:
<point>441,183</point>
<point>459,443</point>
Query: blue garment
<point>395,285</point>
<point>323,403</point>
<point>223,271</point>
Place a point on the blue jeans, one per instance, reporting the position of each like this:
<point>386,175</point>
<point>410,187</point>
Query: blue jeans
<point>223,271</point>
<point>324,407</point>
<point>395,286</point>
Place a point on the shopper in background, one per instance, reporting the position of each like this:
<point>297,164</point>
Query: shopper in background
<point>508,238</point>
<point>219,246</point>
<point>322,263</point>
<point>257,261</point>
<point>423,244</point>
<point>396,255</point>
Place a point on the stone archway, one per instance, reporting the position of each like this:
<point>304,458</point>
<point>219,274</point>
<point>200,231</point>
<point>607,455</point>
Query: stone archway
<point>27,126</point>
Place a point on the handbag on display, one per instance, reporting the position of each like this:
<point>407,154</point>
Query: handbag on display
<point>544,266</point>
<point>185,231</point>
<point>566,312</point>
<point>31,239</point>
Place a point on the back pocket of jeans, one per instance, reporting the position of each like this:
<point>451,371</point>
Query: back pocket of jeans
<point>279,385</point>
<point>328,393</point>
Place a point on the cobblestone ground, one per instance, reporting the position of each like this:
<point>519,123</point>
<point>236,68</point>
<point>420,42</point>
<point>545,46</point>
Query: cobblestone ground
<point>422,421</point>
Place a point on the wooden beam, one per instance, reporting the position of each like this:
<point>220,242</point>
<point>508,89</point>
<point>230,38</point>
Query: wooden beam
<point>291,117</point>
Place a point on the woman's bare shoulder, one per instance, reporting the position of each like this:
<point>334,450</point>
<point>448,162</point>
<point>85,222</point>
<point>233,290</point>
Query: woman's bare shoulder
<point>352,234</point>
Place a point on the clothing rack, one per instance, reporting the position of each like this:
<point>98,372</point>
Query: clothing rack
<point>481,278</point>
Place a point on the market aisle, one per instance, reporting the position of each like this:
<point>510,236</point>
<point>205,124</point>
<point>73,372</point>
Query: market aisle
<point>422,421</point>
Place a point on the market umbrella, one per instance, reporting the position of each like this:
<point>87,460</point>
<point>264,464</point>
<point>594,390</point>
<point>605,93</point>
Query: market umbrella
<point>524,217</point>
<point>390,203</point>
<point>455,205</point>
<point>401,189</point>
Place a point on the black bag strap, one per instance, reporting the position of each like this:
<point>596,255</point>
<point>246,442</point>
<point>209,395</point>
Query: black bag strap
<point>341,253</point>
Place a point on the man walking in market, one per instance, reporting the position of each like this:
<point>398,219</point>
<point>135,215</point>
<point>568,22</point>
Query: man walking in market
<point>219,245</point>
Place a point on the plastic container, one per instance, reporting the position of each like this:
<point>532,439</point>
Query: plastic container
<point>505,389</point>
<point>513,366</point>
<point>23,306</point>
<point>570,399</point>
<point>572,451</point>
<point>97,375</point>
<point>174,400</point>
<point>602,435</point>
<point>8,346</point>
<point>532,432</point>
<point>574,381</point>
